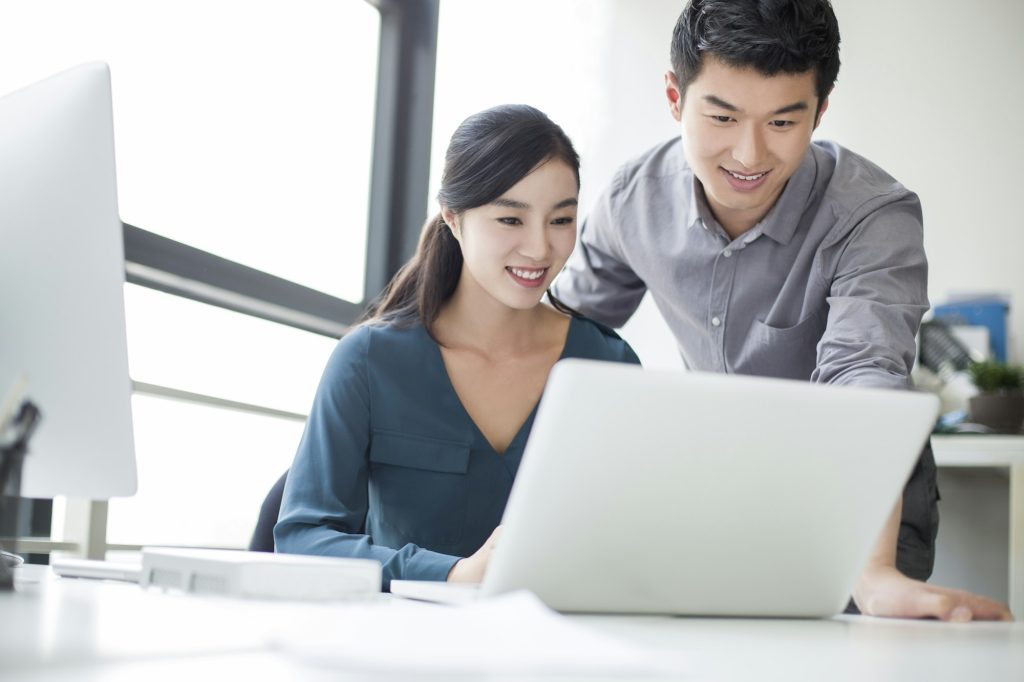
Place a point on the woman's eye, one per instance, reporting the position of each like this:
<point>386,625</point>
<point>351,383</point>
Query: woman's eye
<point>566,220</point>
<point>510,221</point>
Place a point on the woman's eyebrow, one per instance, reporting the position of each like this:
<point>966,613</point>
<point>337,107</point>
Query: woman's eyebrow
<point>509,203</point>
<point>512,203</point>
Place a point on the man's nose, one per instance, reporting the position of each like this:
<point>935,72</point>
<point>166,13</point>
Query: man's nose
<point>749,150</point>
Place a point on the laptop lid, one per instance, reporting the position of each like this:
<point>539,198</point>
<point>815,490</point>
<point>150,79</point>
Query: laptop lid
<point>645,491</point>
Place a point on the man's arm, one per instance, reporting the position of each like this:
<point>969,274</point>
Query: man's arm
<point>882,590</point>
<point>877,278</point>
<point>878,294</point>
<point>598,280</point>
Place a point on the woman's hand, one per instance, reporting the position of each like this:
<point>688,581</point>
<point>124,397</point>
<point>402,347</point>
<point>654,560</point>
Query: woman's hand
<point>471,569</point>
<point>884,591</point>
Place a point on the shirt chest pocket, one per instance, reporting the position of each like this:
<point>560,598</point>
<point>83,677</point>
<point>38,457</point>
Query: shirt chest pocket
<point>418,487</point>
<point>789,352</point>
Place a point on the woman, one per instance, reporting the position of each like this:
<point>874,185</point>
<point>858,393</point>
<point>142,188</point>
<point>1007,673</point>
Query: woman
<point>420,420</point>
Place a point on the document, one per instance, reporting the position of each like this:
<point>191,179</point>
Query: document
<point>514,634</point>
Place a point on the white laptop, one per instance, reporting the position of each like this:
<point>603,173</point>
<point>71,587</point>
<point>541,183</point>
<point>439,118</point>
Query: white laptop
<point>670,492</point>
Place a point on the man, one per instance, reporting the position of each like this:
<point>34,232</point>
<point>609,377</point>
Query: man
<point>770,255</point>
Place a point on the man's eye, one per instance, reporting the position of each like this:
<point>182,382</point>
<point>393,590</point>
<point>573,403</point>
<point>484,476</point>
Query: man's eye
<point>721,119</point>
<point>510,221</point>
<point>782,124</point>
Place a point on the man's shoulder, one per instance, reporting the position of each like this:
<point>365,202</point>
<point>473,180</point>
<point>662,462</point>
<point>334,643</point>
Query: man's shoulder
<point>664,160</point>
<point>855,183</point>
<point>660,166</point>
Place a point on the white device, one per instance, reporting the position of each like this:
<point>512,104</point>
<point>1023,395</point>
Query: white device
<point>663,492</point>
<point>259,574</point>
<point>61,284</point>
<point>94,569</point>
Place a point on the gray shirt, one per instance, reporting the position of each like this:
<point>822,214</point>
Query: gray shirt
<point>830,286</point>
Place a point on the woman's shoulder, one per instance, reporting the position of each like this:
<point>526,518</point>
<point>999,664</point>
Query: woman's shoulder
<point>589,339</point>
<point>371,342</point>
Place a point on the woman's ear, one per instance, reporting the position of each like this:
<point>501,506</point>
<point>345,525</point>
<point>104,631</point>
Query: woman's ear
<point>449,218</point>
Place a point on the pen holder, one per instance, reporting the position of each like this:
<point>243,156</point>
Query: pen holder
<point>12,456</point>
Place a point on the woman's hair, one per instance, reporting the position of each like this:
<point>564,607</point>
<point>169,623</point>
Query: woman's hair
<point>489,153</point>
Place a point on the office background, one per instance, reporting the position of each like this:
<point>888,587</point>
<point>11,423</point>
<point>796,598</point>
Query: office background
<point>244,131</point>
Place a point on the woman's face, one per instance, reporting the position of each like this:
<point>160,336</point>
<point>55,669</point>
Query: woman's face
<point>513,247</point>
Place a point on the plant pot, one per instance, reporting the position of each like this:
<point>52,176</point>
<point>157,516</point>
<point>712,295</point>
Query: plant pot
<point>1001,412</point>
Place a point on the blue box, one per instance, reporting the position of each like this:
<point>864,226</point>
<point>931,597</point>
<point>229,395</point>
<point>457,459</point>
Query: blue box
<point>984,312</point>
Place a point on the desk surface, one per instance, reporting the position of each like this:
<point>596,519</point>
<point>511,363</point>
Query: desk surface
<point>976,450</point>
<point>62,629</point>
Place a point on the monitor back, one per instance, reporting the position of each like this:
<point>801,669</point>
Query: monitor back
<point>62,269</point>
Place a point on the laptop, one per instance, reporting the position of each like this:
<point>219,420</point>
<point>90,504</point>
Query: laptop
<point>687,493</point>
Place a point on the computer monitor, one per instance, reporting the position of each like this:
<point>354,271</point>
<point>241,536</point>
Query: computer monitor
<point>62,285</point>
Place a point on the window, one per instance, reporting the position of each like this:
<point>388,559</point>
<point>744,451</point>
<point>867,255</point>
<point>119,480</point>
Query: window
<point>242,126</point>
<point>203,473</point>
<point>556,74</point>
<point>272,161</point>
<point>202,349</point>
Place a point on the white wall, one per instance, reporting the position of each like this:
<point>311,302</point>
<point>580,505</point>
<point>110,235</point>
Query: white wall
<point>636,118</point>
<point>931,90</point>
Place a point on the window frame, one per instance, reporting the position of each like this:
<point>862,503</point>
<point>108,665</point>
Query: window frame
<point>403,121</point>
<point>399,182</point>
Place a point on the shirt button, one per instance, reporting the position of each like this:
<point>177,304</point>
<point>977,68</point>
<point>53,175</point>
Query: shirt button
<point>727,253</point>
<point>716,322</point>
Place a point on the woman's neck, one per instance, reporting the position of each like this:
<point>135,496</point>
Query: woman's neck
<point>473,320</point>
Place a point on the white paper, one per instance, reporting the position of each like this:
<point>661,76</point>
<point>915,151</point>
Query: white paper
<point>513,634</point>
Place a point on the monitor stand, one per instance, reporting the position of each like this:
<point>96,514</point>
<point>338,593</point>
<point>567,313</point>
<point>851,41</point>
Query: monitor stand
<point>7,563</point>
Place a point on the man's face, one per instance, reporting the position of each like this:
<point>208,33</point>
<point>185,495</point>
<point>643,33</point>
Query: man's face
<point>744,135</point>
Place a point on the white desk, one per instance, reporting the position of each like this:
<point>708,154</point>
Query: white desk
<point>59,629</point>
<point>1001,452</point>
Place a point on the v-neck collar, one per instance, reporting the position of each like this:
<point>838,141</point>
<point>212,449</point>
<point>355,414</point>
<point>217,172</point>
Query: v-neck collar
<point>515,446</point>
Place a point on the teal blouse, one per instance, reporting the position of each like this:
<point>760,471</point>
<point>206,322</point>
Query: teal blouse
<point>391,466</point>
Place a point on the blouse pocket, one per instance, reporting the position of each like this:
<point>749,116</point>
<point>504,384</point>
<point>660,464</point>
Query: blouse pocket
<point>418,488</point>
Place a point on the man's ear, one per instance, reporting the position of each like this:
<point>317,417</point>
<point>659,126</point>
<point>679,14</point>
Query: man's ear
<point>674,95</point>
<point>821,110</point>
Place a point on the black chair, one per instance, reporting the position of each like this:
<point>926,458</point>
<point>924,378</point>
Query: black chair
<point>263,537</point>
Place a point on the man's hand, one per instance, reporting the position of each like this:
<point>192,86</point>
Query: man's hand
<point>884,591</point>
<point>471,569</point>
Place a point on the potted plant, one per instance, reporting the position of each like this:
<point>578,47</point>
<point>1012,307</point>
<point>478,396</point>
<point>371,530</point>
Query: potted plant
<point>1000,405</point>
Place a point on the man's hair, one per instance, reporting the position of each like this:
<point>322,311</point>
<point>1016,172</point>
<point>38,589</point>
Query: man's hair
<point>770,36</point>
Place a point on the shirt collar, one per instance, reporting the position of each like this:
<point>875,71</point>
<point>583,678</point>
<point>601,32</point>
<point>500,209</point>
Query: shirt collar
<point>781,221</point>
<point>694,193</point>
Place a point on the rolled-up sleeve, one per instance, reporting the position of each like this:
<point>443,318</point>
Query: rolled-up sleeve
<point>598,281</point>
<point>325,501</point>
<point>878,293</point>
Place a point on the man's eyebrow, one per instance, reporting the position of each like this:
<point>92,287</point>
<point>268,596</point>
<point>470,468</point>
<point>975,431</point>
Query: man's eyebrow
<point>720,103</point>
<point>788,109</point>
